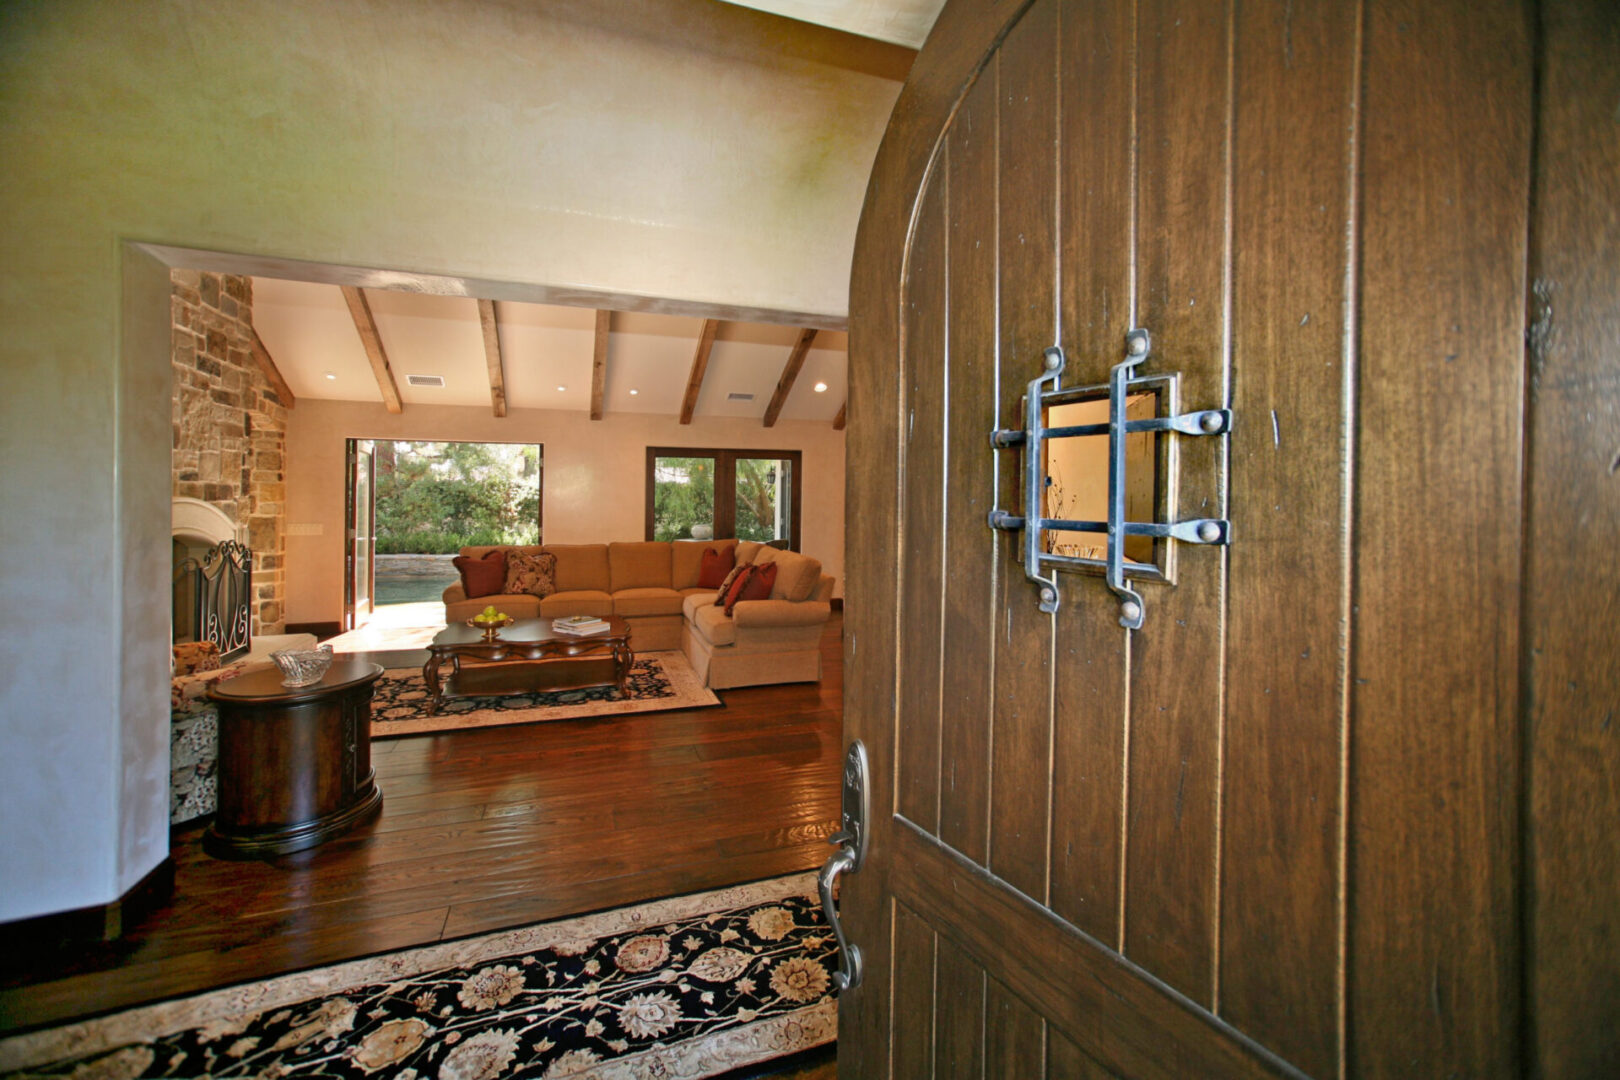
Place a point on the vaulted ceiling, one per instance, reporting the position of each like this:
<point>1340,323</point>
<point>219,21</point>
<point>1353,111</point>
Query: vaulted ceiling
<point>903,22</point>
<point>544,355</point>
<point>420,341</point>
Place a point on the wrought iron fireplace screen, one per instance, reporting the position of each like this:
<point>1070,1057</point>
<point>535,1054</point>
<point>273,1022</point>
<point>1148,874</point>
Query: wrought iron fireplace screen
<point>213,598</point>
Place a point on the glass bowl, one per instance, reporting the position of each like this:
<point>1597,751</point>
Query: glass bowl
<point>302,667</point>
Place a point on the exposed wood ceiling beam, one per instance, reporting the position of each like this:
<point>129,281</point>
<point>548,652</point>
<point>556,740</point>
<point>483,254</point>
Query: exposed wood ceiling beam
<point>700,365</point>
<point>838,421</point>
<point>367,326</point>
<point>604,319</point>
<point>271,372</point>
<point>492,356</point>
<point>790,375</point>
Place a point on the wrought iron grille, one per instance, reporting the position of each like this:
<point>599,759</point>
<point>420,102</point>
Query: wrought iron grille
<point>213,598</point>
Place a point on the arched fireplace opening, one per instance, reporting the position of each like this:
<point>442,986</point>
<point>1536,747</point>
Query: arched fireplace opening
<point>212,578</point>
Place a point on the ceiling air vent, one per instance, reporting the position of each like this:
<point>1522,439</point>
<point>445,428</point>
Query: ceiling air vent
<point>425,380</point>
<point>739,397</point>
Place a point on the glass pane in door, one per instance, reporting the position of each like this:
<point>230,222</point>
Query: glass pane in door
<point>362,539</point>
<point>764,499</point>
<point>683,498</point>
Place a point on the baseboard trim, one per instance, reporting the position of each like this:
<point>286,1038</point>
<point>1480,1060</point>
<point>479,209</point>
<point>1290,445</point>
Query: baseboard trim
<point>98,922</point>
<point>321,630</point>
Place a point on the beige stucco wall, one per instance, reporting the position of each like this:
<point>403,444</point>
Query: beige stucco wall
<point>469,138</point>
<point>594,480</point>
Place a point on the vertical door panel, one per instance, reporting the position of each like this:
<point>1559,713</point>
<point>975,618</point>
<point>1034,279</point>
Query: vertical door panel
<point>1433,769</point>
<point>922,538</point>
<point>1021,750</point>
<point>960,1006</point>
<point>1280,972</point>
<point>1014,1036</point>
<point>1572,579</point>
<point>1172,801</point>
<point>970,547</point>
<point>1096,86</point>
<point>912,1040</point>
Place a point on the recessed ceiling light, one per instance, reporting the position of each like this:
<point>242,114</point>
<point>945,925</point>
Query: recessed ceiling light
<point>821,388</point>
<point>560,389</point>
<point>634,391</point>
<point>331,374</point>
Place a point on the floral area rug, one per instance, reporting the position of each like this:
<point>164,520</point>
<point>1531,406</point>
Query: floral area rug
<point>691,987</point>
<point>659,681</point>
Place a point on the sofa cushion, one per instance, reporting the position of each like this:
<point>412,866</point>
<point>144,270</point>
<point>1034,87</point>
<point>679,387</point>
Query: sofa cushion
<point>780,613</point>
<point>797,575</point>
<point>747,551</point>
<point>686,560</point>
<point>577,602</point>
<point>581,566</point>
<point>641,565</point>
<point>715,625</point>
<point>693,599</point>
<point>483,576</point>
<point>631,602</point>
<point>518,605</point>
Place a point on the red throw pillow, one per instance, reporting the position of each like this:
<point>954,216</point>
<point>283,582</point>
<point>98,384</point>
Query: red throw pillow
<point>760,583</point>
<point>717,563</point>
<point>482,577</point>
<point>754,583</point>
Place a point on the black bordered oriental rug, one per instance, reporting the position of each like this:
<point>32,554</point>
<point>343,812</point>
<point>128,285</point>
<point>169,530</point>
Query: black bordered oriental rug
<point>690,987</point>
<point>658,682</point>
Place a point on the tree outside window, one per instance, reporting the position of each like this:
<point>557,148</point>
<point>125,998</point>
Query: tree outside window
<point>703,494</point>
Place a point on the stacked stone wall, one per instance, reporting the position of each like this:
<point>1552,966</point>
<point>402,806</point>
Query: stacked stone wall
<point>230,428</point>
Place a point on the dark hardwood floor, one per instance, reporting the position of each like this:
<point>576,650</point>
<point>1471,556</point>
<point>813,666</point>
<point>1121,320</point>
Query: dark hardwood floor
<point>482,830</point>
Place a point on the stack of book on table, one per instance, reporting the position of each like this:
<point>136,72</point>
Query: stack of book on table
<point>579,624</point>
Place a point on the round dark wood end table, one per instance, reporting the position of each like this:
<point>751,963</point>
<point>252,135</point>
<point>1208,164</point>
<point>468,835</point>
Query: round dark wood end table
<point>294,761</point>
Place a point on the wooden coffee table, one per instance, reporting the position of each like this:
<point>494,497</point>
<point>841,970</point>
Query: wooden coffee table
<point>526,656</point>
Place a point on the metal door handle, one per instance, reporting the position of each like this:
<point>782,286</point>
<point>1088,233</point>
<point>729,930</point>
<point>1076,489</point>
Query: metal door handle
<point>850,856</point>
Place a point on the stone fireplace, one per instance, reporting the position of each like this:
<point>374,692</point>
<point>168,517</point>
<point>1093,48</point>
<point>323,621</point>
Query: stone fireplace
<point>229,429</point>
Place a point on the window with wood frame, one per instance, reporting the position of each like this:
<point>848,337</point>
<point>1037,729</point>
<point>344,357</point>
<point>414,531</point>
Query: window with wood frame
<point>702,494</point>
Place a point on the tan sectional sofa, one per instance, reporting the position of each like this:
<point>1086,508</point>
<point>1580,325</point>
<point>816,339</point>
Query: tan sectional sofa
<point>653,586</point>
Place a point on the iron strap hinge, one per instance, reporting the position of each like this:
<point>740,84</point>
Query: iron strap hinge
<point>1039,566</point>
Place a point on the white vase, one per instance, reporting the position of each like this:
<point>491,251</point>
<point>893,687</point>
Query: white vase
<point>703,532</point>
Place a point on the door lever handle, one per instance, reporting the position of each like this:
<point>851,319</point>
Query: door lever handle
<point>850,840</point>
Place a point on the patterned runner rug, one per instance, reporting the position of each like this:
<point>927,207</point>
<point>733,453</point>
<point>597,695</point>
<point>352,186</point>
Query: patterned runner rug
<point>690,987</point>
<point>659,681</point>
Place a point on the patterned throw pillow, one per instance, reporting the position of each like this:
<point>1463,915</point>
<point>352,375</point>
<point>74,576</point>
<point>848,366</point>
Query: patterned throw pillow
<point>725,586</point>
<point>737,582</point>
<point>484,576</point>
<point>533,574</point>
<point>195,656</point>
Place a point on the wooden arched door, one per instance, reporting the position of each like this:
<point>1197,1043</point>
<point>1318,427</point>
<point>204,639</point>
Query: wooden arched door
<point>1275,829</point>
